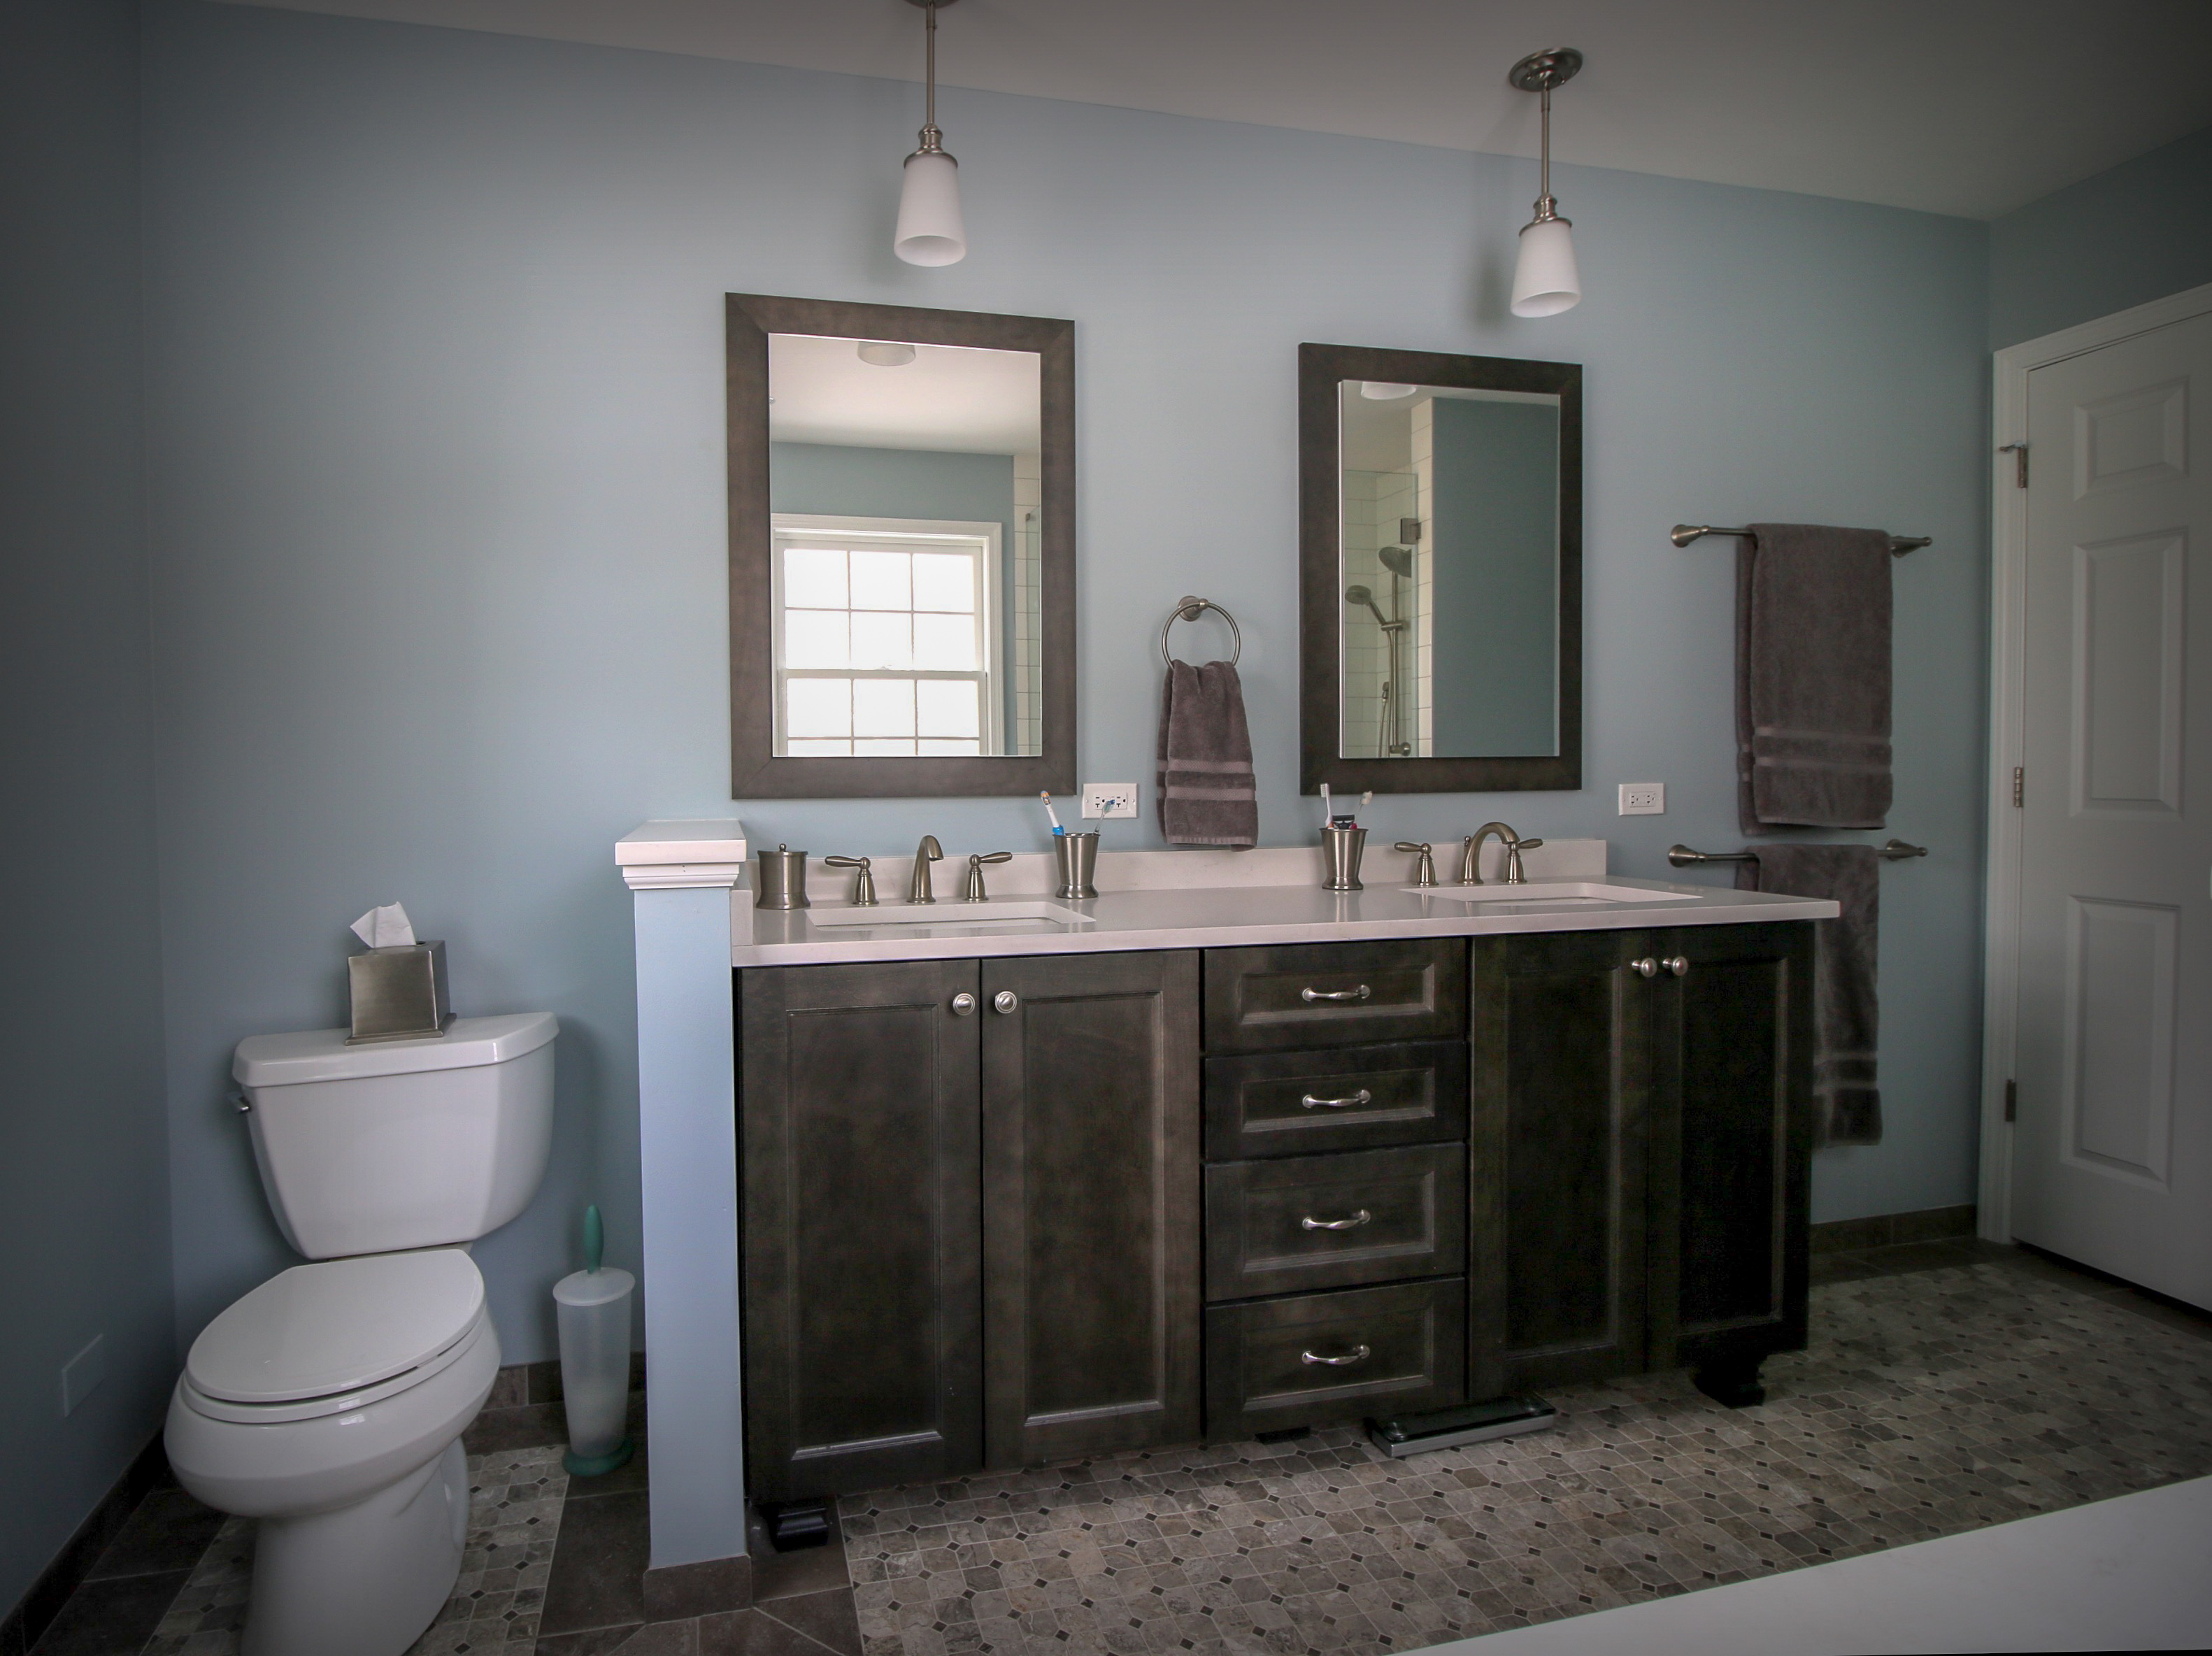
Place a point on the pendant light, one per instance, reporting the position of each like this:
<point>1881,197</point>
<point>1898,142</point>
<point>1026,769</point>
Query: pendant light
<point>1545,279</point>
<point>930,229</point>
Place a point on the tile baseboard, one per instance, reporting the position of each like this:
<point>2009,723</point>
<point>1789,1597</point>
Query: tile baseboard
<point>1888,1229</point>
<point>22,1627</point>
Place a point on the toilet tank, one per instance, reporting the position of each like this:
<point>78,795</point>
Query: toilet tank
<point>400,1144</point>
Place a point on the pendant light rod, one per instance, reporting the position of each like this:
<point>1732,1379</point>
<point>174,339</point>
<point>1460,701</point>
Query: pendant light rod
<point>1539,72</point>
<point>933,141</point>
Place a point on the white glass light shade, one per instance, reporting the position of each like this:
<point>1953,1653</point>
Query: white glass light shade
<point>930,229</point>
<point>1545,279</point>
<point>885,353</point>
<point>1385,390</point>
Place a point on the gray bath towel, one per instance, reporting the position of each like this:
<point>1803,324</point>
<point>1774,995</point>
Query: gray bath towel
<point>1812,676</point>
<point>1846,1010</point>
<point>1206,796</point>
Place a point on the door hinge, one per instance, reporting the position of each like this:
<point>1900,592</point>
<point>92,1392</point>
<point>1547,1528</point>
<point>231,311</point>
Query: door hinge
<point>2018,452</point>
<point>2019,787</point>
<point>2012,1100</point>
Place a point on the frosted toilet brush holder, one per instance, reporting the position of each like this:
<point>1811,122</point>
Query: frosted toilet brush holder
<point>593,1308</point>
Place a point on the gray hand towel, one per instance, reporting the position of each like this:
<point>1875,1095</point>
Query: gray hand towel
<point>1812,676</point>
<point>1846,1007</point>
<point>1206,790</point>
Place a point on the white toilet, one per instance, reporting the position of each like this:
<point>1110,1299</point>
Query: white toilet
<point>329,1402</point>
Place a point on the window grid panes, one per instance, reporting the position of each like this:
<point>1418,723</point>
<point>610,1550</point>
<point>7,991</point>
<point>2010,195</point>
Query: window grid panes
<point>883,645</point>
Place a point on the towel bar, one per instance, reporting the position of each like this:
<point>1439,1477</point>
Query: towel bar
<point>1683,857</point>
<point>1683,534</point>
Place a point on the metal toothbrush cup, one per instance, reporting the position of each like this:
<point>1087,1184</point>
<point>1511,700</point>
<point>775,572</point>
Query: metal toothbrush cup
<point>1075,857</point>
<point>1341,849</point>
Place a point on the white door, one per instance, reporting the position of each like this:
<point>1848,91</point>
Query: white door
<point>2112,1151</point>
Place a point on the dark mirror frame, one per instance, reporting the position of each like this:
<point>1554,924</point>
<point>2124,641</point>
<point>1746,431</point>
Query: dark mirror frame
<point>1322,369</point>
<point>756,772</point>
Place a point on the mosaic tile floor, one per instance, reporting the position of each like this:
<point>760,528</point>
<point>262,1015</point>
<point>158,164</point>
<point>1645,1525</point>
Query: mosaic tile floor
<point>1929,1405</point>
<point>514,1519</point>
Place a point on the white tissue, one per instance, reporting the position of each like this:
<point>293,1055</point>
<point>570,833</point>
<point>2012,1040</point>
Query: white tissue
<point>388,927</point>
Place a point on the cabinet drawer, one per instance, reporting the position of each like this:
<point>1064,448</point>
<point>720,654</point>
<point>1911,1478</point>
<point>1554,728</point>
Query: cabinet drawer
<point>1337,1098</point>
<point>1282,1226</point>
<point>1335,994</point>
<point>1321,1357</point>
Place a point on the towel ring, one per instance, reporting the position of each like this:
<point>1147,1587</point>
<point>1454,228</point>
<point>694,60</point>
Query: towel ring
<point>1190,609</point>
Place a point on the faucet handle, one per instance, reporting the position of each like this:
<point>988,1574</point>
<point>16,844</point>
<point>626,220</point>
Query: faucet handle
<point>1425,871</point>
<point>976,864</point>
<point>864,883</point>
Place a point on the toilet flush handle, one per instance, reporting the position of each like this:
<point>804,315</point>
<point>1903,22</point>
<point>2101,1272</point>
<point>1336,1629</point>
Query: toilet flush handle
<point>245,1104</point>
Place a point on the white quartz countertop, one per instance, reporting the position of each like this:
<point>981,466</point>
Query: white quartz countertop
<point>1230,916</point>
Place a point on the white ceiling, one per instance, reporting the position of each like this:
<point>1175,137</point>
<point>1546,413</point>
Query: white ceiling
<point>1964,106</point>
<point>951,398</point>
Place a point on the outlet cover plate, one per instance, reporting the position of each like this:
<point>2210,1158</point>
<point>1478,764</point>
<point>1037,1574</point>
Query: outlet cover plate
<point>1642,798</point>
<point>1110,799</point>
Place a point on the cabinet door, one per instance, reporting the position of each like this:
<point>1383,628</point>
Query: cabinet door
<point>1558,1093</point>
<point>863,1321</point>
<point>1090,1175</point>
<point>1731,1143</point>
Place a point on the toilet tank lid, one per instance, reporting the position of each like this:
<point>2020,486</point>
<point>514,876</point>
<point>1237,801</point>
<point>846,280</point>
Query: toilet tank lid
<point>322,1055</point>
<point>329,1327</point>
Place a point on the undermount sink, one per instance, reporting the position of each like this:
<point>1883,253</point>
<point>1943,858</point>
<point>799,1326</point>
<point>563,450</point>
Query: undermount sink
<point>994,912</point>
<point>1550,891</point>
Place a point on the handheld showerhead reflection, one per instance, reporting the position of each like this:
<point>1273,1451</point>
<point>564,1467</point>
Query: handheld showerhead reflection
<point>1357,595</point>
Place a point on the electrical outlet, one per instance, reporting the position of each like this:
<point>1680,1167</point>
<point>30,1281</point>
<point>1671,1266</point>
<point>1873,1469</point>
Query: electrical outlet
<point>1642,798</point>
<point>82,1373</point>
<point>1109,799</point>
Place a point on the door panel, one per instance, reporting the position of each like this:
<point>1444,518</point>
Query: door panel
<point>1731,1142</point>
<point>1091,1174</point>
<point>1558,1030</point>
<point>859,1138</point>
<point>2112,1147</point>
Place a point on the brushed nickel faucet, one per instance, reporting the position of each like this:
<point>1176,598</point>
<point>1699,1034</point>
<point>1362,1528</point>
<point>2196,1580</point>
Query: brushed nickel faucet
<point>928,851</point>
<point>1471,852</point>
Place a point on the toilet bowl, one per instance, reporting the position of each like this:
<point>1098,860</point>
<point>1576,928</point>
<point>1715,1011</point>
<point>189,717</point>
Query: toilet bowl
<point>329,1402</point>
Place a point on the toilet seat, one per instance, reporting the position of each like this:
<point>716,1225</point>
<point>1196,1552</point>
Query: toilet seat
<point>321,1338</point>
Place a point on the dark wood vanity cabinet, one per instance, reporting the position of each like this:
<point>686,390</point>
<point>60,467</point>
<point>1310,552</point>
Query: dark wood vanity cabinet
<point>1011,1211</point>
<point>1639,1122</point>
<point>971,1215</point>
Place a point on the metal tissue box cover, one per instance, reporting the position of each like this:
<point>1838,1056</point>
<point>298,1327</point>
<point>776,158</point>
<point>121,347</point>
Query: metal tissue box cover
<point>399,992</point>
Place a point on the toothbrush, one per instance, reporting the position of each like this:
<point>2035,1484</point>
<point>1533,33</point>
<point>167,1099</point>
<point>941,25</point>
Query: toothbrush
<point>1053,816</point>
<point>1324,806</point>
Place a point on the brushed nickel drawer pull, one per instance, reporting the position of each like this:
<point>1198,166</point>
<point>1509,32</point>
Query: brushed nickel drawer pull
<point>1357,1354</point>
<point>1362,1096</point>
<point>1353,1224</point>
<point>1309,995</point>
<point>1677,964</point>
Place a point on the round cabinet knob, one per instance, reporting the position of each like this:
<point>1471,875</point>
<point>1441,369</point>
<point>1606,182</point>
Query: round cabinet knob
<point>962,1004</point>
<point>1677,964</point>
<point>1004,1001</point>
<point>1647,966</point>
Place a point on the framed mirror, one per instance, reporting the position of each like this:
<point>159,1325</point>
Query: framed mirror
<point>902,550</point>
<point>1439,572</point>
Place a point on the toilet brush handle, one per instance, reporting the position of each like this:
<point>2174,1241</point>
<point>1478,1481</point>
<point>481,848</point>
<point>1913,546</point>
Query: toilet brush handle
<point>595,1237</point>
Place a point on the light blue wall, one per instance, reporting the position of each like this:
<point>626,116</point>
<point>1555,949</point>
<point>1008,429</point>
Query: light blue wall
<point>1496,532</point>
<point>436,439</point>
<point>83,1137</point>
<point>2138,232</point>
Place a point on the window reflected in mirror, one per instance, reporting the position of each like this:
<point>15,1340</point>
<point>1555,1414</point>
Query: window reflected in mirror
<point>906,556</point>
